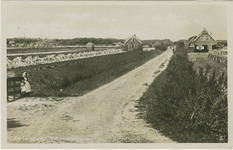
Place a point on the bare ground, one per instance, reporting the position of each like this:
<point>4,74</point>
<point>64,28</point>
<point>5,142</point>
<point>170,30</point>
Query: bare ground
<point>108,114</point>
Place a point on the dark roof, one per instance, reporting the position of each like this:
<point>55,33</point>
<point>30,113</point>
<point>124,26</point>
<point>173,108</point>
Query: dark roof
<point>192,39</point>
<point>133,36</point>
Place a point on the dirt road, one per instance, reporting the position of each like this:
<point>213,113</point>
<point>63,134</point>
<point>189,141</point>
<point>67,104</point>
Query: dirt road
<point>105,115</point>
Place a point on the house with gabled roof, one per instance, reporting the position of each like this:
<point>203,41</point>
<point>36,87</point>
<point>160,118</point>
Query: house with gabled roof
<point>204,42</point>
<point>117,43</point>
<point>90,46</point>
<point>133,43</point>
<point>156,44</point>
<point>12,42</point>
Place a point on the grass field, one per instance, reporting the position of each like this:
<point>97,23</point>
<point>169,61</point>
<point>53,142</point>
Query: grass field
<point>188,101</point>
<point>77,77</point>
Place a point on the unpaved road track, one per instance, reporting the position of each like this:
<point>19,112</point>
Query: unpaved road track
<point>105,115</point>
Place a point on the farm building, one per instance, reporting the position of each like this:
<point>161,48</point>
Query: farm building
<point>147,45</point>
<point>133,43</point>
<point>191,41</point>
<point>12,42</point>
<point>90,46</point>
<point>156,44</point>
<point>118,45</point>
<point>22,44</point>
<point>186,43</point>
<point>203,42</point>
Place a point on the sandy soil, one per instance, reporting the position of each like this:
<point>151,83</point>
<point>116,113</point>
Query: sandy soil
<point>108,114</point>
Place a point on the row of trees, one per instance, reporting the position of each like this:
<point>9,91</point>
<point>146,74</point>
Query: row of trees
<point>23,40</point>
<point>80,41</point>
<point>83,41</point>
<point>75,41</point>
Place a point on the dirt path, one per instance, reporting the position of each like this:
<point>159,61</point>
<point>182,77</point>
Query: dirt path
<point>105,115</point>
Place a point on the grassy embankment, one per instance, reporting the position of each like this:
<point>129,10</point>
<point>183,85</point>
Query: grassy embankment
<point>188,101</point>
<point>77,77</point>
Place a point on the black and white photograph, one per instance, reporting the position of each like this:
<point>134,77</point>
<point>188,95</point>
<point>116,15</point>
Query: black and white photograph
<point>115,73</point>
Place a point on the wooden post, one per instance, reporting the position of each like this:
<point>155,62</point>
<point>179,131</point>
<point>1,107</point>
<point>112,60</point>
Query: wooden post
<point>7,90</point>
<point>14,90</point>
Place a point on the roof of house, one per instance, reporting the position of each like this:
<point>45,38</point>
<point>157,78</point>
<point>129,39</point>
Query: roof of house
<point>133,36</point>
<point>204,31</point>
<point>89,44</point>
<point>192,39</point>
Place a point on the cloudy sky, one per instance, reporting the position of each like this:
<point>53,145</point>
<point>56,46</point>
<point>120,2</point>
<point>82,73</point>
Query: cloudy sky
<point>116,21</point>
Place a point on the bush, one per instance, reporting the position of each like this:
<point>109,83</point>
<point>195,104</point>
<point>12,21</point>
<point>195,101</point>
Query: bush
<point>186,105</point>
<point>218,58</point>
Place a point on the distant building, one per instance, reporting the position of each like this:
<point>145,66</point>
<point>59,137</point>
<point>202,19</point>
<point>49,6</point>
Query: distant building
<point>155,44</point>
<point>54,45</point>
<point>17,44</point>
<point>12,45</point>
<point>90,46</point>
<point>204,42</point>
<point>118,45</point>
<point>191,41</point>
<point>186,45</point>
<point>133,43</point>
<point>22,44</point>
<point>12,42</point>
<point>30,45</point>
<point>146,46</point>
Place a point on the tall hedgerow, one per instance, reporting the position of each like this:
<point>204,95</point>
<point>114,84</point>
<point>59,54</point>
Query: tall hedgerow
<point>186,105</point>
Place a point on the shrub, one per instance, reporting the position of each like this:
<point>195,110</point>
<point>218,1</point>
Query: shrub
<point>218,58</point>
<point>189,104</point>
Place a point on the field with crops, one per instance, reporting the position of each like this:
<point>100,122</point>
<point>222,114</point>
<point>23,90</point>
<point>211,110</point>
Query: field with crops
<point>188,101</point>
<point>203,61</point>
<point>79,76</point>
<point>219,56</point>
<point>20,61</point>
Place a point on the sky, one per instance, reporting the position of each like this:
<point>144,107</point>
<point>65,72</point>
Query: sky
<point>172,22</point>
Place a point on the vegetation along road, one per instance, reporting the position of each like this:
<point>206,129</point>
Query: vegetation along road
<point>106,115</point>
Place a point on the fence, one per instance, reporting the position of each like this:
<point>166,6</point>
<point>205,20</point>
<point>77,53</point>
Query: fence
<point>13,86</point>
